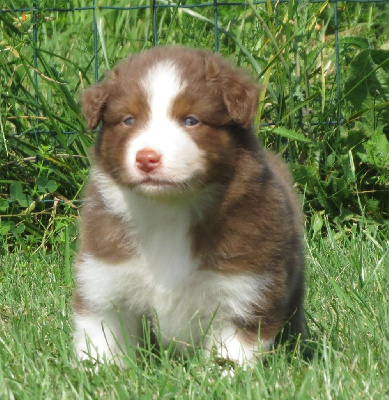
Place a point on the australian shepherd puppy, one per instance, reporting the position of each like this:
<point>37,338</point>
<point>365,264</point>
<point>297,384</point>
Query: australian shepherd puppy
<point>188,221</point>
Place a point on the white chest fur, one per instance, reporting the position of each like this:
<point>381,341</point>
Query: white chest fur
<point>159,230</point>
<point>184,308</point>
<point>162,236</point>
<point>161,279</point>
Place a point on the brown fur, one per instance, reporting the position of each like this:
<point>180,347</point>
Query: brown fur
<point>80,305</point>
<point>253,224</point>
<point>234,241</point>
<point>104,235</point>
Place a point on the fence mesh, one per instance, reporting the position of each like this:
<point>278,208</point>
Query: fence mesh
<point>323,65</point>
<point>33,17</point>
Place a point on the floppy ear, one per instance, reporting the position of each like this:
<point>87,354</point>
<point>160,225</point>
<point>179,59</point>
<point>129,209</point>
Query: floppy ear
<point>93,101</point>
<point>239,92</point>
<point>241,98</point>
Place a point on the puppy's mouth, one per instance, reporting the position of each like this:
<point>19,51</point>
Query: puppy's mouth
<point>153,181</point>
<point>153,186</point>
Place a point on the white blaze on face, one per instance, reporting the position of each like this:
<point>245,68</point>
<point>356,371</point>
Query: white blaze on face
<point>181,158</point>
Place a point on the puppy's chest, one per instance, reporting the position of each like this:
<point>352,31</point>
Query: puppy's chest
<point>166,281</point>
<point>164,246</point>
<point>162,277</point>
<point>180,305</point>
<point>163,271</point>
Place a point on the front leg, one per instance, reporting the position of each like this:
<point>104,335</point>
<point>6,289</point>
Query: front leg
<point>104,336</point>
<point>232,344</point>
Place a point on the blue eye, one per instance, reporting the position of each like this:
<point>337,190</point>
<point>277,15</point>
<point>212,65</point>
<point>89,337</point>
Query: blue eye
<point>129,120</point>
<point>190,121</point>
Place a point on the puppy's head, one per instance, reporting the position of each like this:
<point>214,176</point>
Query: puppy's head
<point>172,119</point>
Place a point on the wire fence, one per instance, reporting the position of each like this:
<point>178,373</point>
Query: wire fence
<point>37,9</point>
<point>323,66</point>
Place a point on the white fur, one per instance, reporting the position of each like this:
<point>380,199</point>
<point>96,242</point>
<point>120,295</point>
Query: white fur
<point>229,345</point>
<point>181,157</point>
<point>185,309</point>
<point>163,279</point>
<point>113,195</point>
<point>97,336</point>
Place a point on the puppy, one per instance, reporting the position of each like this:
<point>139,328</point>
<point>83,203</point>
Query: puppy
<point>188,221</point>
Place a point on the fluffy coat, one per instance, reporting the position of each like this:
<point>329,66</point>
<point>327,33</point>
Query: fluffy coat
<point>187,221</point>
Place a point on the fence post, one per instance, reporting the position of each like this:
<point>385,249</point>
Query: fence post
<point>154,17</point>
<point>35,63</point>
<point>95,33</point>
<point>216,28</point>
<point>337,61</point>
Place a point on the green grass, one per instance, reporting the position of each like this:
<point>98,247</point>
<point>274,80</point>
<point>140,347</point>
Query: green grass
<point>289,47</point>
<point>343,174</point>
<point>347,301</point>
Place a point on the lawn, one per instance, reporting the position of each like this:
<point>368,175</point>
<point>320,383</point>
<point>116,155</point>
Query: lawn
<point>324,69</point>
<point>347,302</point>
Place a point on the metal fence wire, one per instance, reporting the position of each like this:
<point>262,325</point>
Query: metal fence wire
<point>39,19</point>
<point>323,66</point>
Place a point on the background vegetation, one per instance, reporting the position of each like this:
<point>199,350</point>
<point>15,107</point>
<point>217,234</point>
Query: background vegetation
<point>327,115</point>
<point>334,134</point>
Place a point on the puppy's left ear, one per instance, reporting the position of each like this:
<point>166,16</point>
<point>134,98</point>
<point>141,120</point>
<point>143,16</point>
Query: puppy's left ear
<point>239,92</point>
<point>241,98</point>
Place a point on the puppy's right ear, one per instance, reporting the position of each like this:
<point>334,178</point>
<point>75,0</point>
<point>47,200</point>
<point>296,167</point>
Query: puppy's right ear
<point>93,102</point>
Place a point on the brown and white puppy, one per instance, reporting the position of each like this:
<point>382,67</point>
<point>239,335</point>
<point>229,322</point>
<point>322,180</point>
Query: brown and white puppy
<point>187,219</point>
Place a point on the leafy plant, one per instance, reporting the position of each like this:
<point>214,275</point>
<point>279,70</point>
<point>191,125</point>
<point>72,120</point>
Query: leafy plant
<point>334,136</point>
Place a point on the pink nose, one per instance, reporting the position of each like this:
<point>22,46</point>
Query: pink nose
<point>147,160</point>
